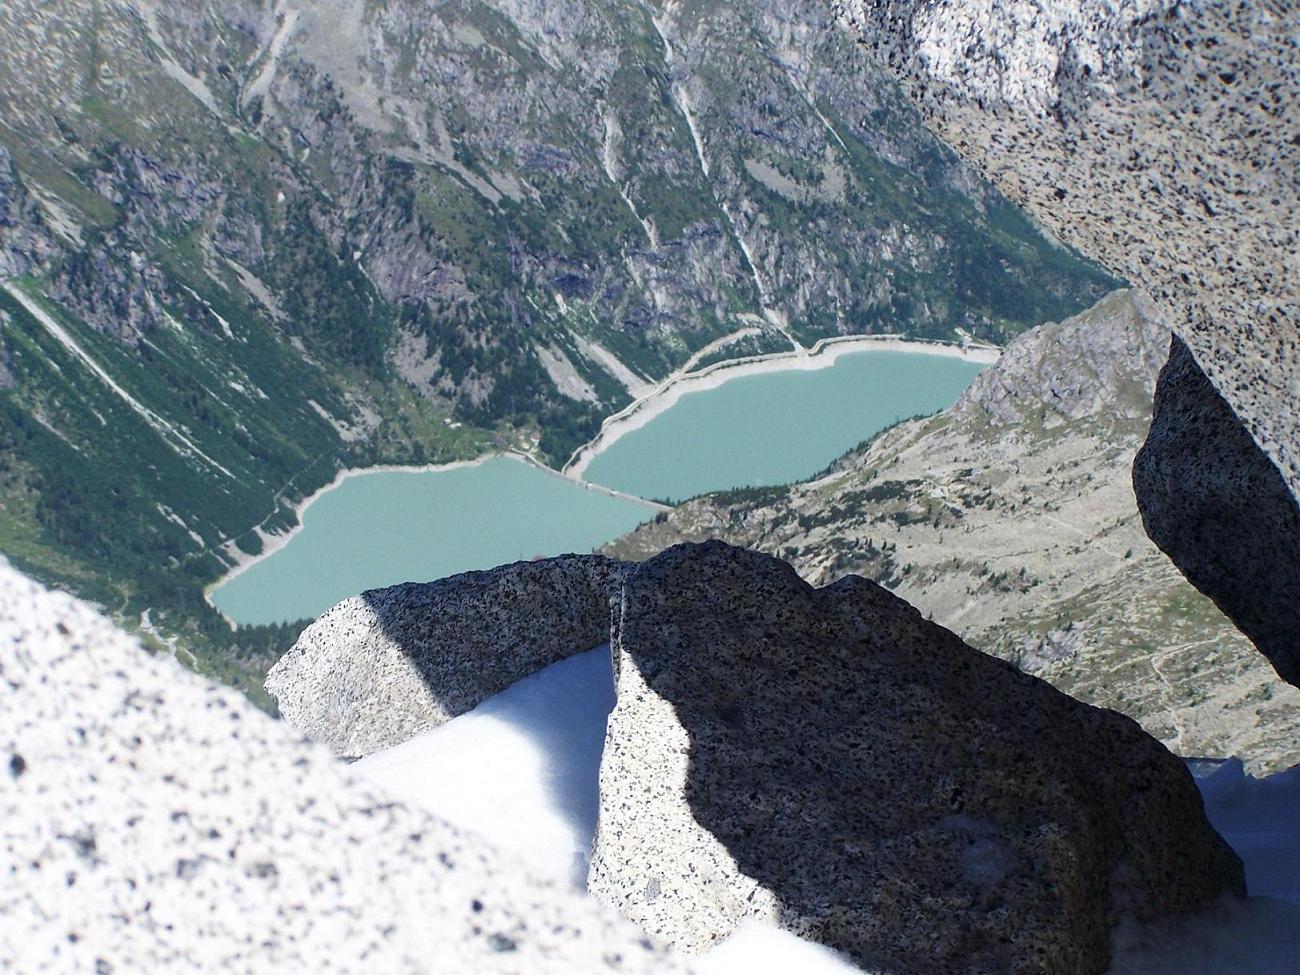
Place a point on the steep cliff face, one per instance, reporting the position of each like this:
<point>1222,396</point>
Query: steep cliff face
<point>25,240</point>
<point>1010,518</point>
<point>1160,138</point>
<point>1229,521</point>
<point>306,235</point>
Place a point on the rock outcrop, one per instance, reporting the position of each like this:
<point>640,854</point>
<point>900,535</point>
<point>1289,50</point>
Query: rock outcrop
<point>1158,137</point>
<point>379,668</point>
<point>150,821</point>
<point>1010,519</point>
<point>25,240</point>
<point>828,759</point>
<point>1229,523</point>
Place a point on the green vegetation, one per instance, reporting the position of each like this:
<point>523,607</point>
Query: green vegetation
<point>96,499</point>
<point>248,273</point>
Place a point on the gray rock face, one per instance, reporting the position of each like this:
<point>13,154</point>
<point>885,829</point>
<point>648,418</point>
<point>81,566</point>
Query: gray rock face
<point>1010,519</point>
<point>1230,523</point>
<point>384,666</point>
<point>828,759</point>
<point>150,822</point>
<point>25,240</point>
<point>1158,137</point>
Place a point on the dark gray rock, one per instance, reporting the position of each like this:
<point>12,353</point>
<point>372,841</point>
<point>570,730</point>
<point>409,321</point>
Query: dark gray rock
<point>382,667</point>
<point>1010,518</point>
<point>153,822</point>
<point>828,759</point>
<point>7,380</point>
<point>1159,138</point>
<point>25,240</point>
<point>1222,512</point>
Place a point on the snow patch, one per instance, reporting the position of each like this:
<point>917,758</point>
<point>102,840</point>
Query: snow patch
<point>761,949</point>
<point>521,769</point>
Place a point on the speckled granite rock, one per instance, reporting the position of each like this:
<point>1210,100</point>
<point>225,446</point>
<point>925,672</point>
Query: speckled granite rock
<point>1160,138</point>
<point>381,667</point>
<point>1010,519</point>
<point>1205,509</point>
<point>829,759</point>
<point>151,822</point>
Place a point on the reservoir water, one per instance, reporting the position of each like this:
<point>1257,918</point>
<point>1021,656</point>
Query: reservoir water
<point>381,528</point>
<point>777,427</point>
<point>385,527</point>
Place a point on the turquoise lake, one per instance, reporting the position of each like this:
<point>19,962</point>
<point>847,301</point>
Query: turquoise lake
<point>386,527</point>
<point>777,427</point>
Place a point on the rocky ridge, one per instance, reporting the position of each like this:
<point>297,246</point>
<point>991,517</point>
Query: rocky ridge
<point>829,760</point>
<point>379,668</point>
<point>1159,137</point>
<point>153,821</point>
<point>1010,518</point>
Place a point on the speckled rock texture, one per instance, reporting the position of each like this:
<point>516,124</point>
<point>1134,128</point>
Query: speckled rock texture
<point>1160,138</point>
<point>1206,513</point>
<point>152,822</point>
<point>829,759</point>
<point>384,666</point>
<point>1010,519</point>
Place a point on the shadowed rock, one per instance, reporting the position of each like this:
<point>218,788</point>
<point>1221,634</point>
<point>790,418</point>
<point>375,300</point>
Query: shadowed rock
<point>1159,138</point>
<point>1010,518</point>
<point>1229,523</point>
<point>380,668</point>
<point>828,759</point>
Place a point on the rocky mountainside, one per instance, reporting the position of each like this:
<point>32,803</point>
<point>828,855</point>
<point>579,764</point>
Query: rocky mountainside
<point>1010,518</point>
<point>825,760</point>
<point>1159,137</point>
<point>245,243</point>
<point>152,821</point>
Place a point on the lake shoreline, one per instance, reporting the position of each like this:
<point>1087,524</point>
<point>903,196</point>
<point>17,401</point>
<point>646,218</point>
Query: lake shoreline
<point>659,400</point>
<point>820,355</point>
<point>273,542</point>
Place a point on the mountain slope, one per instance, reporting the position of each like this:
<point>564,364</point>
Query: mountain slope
<point>1010,518</point>
<point>246,243</point>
